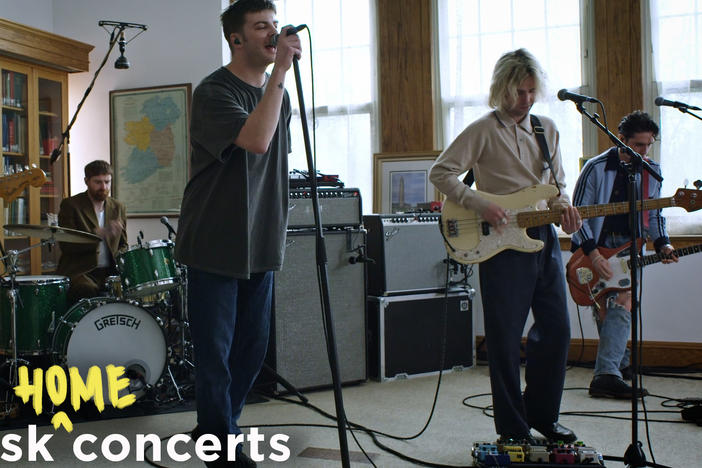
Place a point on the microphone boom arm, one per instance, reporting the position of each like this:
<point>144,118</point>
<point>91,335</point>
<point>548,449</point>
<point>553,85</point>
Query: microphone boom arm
<point>635,157</point>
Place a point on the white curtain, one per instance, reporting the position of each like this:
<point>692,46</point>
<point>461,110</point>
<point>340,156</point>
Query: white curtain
<point>344,51</point>
<point>472,34</point>
<point>675,72</point>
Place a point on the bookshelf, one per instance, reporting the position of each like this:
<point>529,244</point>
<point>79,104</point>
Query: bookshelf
<point>34,68</point>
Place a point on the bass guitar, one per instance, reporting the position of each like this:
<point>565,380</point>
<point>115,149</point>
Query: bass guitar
<point>470,239</point>
<point>586,286</point>
<point>12,186</point>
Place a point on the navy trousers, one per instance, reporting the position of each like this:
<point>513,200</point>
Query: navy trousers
<point>511,284</point>
<point>229,325</point>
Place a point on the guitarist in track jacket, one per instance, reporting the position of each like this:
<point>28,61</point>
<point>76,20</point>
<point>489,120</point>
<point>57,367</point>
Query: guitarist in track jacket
<point>503,149</point>
<point>603,180</point>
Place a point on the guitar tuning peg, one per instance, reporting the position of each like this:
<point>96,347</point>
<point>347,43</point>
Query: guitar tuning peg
<point>685,182</point>
<point>697,184</point>
<point>26,168</point>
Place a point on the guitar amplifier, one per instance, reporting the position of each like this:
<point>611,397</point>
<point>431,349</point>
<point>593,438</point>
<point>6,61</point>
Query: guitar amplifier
<point>409,254</point>
<point>338,207</point>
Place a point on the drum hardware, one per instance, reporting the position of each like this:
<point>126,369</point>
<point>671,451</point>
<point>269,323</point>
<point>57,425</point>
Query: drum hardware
<point>157,356</point>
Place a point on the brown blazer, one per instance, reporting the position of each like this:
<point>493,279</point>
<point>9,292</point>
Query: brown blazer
<point>77,212</point>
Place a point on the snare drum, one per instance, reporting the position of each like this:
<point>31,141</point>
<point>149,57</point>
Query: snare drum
<point>41,300</point>
<point>113,286</point>
<point>101,331</point>
<point>147,269</point>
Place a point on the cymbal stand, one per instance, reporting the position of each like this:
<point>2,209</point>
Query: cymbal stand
<point>12,268</point>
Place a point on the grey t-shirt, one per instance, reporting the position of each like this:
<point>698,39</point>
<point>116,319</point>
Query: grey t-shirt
<point>235,207</point>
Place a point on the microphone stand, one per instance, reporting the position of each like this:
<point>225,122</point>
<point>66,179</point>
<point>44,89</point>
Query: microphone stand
<point>65,136</point>
<point>686,110</point>
<point>634,456</point>
<point>321,257</point>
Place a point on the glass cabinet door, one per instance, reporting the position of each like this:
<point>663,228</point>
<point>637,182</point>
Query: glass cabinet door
<point>15,156</point>
<point>51,124</point>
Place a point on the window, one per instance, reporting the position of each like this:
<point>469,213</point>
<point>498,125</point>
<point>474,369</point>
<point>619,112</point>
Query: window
<point>675,72</point>
<point>473,34</point>
<point>343,48</point>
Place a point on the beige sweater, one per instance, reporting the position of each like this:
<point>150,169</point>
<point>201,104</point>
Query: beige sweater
<point>505,157</point>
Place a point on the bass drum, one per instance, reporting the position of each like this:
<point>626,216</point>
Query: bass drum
<point>101,331</point>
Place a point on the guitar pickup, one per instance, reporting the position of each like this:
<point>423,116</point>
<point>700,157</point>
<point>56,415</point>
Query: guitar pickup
<point>452,227</point>
<point>485,226</point>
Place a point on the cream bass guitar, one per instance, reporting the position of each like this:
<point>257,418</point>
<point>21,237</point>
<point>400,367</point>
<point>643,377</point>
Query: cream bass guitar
<point>470,239</point>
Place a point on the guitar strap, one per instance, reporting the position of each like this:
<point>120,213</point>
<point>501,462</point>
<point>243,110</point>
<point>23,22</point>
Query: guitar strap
<point>541,138</point>
<point>469,179</point>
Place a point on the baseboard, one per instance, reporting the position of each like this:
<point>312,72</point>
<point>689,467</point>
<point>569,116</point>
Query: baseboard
<point>653,353</point>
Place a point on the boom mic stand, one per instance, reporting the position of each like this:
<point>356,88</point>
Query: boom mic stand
<point>114,36</point>
<point>321,256</point>
<point>634,456</point>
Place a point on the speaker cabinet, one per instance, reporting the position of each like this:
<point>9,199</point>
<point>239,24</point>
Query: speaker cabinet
<point>406,333</point>
<point>298,349</point>
<point>409,254</point>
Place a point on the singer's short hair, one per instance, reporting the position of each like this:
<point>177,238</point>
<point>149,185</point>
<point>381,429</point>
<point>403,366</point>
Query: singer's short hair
<point>637,122</point>
<point>233,17</point>
<point>97,168</point>
<point>510,70</point>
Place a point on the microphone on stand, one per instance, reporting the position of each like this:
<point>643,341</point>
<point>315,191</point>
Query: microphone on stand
<point>288,32</point>
<point>56,153</point>
<point>171,231</point>
<point>660,101</point>
<point>565,95</point>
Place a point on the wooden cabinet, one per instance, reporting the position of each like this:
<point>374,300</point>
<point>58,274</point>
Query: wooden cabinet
<point>34,97</point>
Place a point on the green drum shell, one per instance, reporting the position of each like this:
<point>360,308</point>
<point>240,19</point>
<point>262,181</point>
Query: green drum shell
<point>147,269</point>
<point>41,301</point>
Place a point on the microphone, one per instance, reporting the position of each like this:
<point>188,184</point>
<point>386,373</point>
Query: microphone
<point>565,95</point>
<point>289,32</point>
<point>55,154</point>
<point>660,101</point>
<point>164,221</point>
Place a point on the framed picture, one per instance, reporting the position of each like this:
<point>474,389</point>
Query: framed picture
<point>149,148</point>
<point>401,181</point>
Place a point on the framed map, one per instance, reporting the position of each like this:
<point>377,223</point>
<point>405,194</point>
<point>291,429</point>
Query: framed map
<point>149,148</point>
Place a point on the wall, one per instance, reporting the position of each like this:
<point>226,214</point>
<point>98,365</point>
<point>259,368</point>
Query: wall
<point>35,13</point>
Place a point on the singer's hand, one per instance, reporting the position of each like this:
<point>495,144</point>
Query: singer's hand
<point>287,47</point>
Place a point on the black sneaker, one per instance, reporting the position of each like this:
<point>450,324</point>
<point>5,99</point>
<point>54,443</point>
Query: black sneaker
<point>611,386</point>
<point>626,373</point>
<point>517,440</point>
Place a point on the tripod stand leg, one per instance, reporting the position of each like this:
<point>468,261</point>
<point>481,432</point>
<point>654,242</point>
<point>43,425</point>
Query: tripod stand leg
<point>288,386</point>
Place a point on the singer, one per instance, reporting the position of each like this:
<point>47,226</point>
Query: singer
<point>603,180</point>
<point>93,211</point>
<point>503,150</point>
<point>231,231</point>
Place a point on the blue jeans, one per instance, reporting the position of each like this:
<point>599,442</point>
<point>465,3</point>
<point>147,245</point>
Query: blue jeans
<point>229,325</point>
<point>615,329</point>
<point>511,284</point>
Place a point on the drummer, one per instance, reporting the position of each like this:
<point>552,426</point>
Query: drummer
<point>93,211</point>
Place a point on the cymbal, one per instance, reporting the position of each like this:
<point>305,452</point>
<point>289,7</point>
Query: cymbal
<point>59,233</point>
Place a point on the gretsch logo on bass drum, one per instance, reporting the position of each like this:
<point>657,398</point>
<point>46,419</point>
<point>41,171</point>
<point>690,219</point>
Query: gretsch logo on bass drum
<point>117,320</point>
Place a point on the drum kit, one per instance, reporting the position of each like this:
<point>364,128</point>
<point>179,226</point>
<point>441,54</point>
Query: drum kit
<point>140,322</point>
